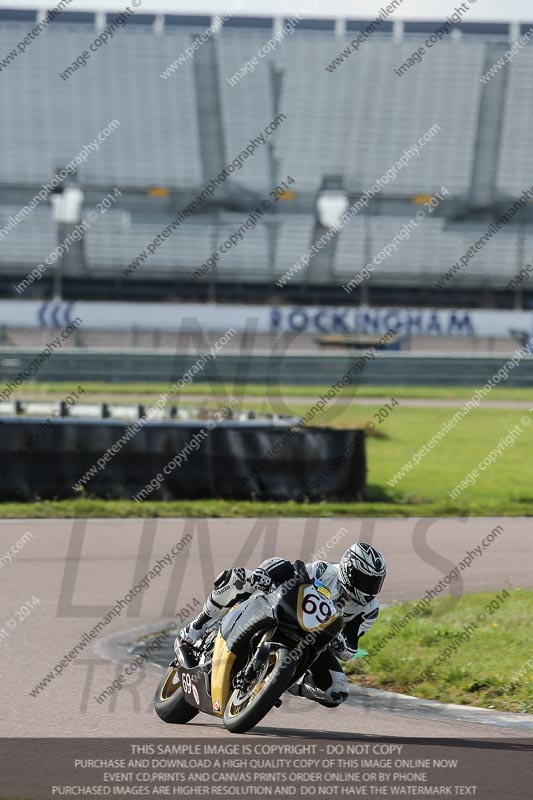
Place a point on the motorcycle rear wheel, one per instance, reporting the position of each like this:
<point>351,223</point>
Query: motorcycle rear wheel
<point>245,709</point>
<point>169,700</point>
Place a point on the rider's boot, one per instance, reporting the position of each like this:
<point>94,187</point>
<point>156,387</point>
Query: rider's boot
<point>296,688</point>
<point>194,632</point>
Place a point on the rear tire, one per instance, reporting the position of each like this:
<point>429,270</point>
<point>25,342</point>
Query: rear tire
<point>169,700</point>
<point>244,710</point>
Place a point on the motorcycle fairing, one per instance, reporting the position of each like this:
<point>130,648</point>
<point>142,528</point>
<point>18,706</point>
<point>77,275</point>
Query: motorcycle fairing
<point>197,677</point>
<point>236,629</point>
<point>223,661</point>
<point>242,621</point>
<point>316,611</point>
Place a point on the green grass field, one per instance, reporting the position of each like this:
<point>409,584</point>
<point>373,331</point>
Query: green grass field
<point>488,665</point>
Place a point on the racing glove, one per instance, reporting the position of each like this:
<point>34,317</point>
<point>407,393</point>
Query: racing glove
<point>260,579</point>
<point>342,648</point>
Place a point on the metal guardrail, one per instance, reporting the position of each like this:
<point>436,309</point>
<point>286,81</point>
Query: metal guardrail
<point>129,366</point>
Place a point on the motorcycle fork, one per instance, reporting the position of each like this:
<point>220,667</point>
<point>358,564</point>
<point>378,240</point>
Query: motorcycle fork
<point>249,672</point>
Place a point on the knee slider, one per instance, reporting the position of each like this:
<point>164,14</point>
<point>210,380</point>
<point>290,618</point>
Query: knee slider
<point>222,579</point>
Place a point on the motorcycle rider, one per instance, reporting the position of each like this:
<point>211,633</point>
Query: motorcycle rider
<point>354,584</point>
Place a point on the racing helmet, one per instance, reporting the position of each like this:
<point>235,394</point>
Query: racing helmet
<point>362,571</point>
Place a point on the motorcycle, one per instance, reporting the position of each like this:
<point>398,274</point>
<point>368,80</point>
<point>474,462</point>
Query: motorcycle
<point>239,670</point>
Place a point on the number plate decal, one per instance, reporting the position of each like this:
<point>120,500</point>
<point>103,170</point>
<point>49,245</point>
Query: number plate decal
<point>315,611</point>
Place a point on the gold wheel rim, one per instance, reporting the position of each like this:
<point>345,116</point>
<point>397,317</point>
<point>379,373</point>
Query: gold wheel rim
<point>170,685</point>
<point>234,708</point>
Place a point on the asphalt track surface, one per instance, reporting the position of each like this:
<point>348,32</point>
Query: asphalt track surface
<point>72,565</point>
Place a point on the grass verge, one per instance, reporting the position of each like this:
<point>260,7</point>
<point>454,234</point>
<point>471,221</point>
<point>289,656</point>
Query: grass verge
<point>491,667</point>
<point>88,508</point>
<point>141,390</point>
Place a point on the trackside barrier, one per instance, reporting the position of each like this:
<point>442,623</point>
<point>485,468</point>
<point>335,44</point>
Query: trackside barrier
<point>241,461</point>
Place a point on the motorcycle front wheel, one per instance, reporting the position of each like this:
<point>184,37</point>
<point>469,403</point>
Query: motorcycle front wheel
<point>169,700</point>
<point>245,708</point>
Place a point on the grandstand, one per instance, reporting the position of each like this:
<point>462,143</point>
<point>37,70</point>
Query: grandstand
<point>180,127</point>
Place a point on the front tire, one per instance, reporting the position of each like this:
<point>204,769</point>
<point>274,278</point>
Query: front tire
<point>245,709</point>
<point>169,700</point>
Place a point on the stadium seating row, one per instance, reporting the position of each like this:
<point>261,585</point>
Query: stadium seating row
<point>268,251</point>
<point>354,121</point>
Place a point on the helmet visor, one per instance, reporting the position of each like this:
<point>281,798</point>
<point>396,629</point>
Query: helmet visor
<point>368,584</point>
